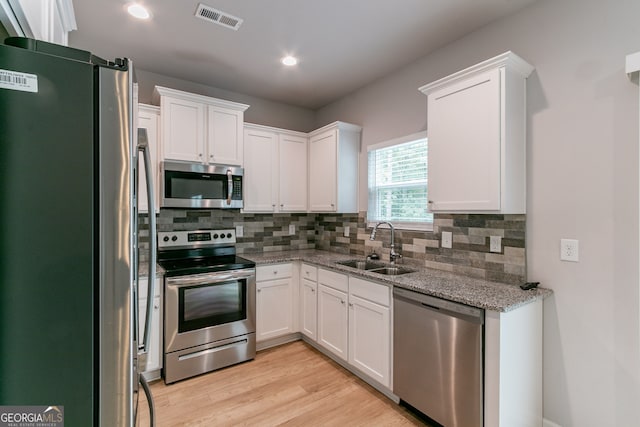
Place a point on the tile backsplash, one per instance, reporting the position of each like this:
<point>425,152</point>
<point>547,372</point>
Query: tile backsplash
<point>469,254</point>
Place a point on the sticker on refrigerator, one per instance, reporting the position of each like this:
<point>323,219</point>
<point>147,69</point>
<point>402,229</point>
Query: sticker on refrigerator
<point>15,80</point>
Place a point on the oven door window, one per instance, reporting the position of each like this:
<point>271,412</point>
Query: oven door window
<point>211,304</point>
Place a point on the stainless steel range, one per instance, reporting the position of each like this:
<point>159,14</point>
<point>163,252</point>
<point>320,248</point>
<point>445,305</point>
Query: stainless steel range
<point>209,302</point>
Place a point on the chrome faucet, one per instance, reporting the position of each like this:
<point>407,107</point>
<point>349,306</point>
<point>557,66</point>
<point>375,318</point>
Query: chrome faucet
<point>393,256</point>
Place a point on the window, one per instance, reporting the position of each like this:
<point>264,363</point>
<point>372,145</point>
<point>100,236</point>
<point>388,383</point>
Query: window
<point>398,183</point>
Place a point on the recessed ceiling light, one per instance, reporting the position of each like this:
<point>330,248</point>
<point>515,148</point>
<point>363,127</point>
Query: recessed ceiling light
<point>289,60</point>
<point>138,11</point>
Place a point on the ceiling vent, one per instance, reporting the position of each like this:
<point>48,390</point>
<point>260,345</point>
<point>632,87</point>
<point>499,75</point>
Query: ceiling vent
<point>218,17</point>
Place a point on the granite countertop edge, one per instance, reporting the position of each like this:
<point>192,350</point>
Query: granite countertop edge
<point>475,292</point>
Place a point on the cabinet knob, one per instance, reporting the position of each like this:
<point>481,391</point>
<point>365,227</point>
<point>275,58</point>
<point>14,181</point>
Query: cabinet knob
<point>281,205</point>
<point>350,304</point>
<point>313,290</point>
<point>155,307</point>
<point>259,290</point>
<point>342,301</point>
<point>200,155</point>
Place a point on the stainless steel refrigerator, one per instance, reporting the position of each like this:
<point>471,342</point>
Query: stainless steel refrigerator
<point>68,234</point>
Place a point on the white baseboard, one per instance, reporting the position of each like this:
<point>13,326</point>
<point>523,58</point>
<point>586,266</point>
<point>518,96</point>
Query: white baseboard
<point>547,423</point>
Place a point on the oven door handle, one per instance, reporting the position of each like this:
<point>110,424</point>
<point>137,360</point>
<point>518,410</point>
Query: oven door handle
<point>182,281</point>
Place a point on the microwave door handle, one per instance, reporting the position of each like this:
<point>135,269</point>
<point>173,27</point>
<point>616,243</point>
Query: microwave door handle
<point>143,145</point>
<point>229,186</point>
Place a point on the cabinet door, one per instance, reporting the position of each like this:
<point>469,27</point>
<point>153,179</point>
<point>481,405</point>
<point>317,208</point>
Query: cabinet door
<point>370,339</point>
<point>148,118</point>
<point>273,309</point>
<point>225,136</point>
<point>260,178</point>
<point>183,127</point>
<point>154,353</point>
<point>309,308</point>
<point>323,172</point>
<point>292,166</point>
<point>464,145</point>
<point>332,320</point>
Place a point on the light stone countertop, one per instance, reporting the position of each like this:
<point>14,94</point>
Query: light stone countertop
<point>454,287</point>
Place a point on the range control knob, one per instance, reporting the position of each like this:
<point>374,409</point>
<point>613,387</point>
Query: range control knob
<point>228,235</point>
<point>174,238</point>
<point>215,236</point>
<point>166,238</point>
<point>222,235</point>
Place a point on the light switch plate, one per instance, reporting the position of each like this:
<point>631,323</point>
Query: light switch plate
<point>239,230</point>
<point>346,232</point>
<point>447,239</point>
<point>292,229</point>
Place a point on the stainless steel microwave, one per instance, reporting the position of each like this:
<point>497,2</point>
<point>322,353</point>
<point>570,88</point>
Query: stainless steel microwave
<point>194,185</point>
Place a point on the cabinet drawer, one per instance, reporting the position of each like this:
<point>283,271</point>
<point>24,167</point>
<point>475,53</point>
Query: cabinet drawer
<point>309,272</point>
<point>334,280</point>
<point>275,271</point>
<point>374,292</point>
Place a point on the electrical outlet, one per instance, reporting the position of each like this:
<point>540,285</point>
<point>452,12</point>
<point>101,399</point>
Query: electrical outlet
<point>292,229</point>
<point>345,233</point>
<point>447,238</point>
<point>569,250</point>
<point>495,244</point>
<point>239,230</point>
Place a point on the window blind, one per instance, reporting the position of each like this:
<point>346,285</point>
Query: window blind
<point>398,183</point>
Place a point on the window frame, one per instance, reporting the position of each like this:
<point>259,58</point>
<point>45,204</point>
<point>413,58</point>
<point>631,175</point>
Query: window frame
<point>415,226</point>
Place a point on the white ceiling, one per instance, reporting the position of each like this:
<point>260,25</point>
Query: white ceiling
<point>342,44</point>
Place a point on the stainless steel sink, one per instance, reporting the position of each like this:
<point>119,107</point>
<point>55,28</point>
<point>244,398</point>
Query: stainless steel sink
<point>392,271</point>
<point>376,267</point>
<point>361,264</point>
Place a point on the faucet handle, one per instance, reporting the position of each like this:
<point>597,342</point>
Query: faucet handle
<point>395,257</point>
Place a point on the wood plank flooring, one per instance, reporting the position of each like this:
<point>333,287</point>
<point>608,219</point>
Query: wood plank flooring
<point>291,385</point>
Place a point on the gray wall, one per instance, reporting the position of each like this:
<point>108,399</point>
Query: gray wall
<point>582,184</point>
<point>261,111</point>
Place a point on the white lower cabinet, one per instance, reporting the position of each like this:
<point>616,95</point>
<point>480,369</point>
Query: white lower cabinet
<point>354,321</point>
<point>309,301</point>
<point>154,353</point>
<point>274,301</point>
<point>370,329</point>
<point>333,314</point>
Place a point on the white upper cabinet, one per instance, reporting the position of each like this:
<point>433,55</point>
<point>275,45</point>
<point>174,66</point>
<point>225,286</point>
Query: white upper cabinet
<point>292,185</point>
<point>476,121</point>
<point>198,128</point>
<point>47,20</point>
<point>333,168</point>
<point>275,177</point>
<point>224,136</point>
<point>148,118</point>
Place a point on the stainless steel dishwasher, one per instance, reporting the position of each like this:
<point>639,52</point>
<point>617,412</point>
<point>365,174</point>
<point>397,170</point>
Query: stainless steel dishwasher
<point>438,357</point>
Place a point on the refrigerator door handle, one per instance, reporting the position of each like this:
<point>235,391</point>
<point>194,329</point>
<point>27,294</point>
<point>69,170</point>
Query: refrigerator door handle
<point>143,146</point>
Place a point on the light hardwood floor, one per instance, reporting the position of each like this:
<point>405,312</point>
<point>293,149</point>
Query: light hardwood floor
<point>291,385</point>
